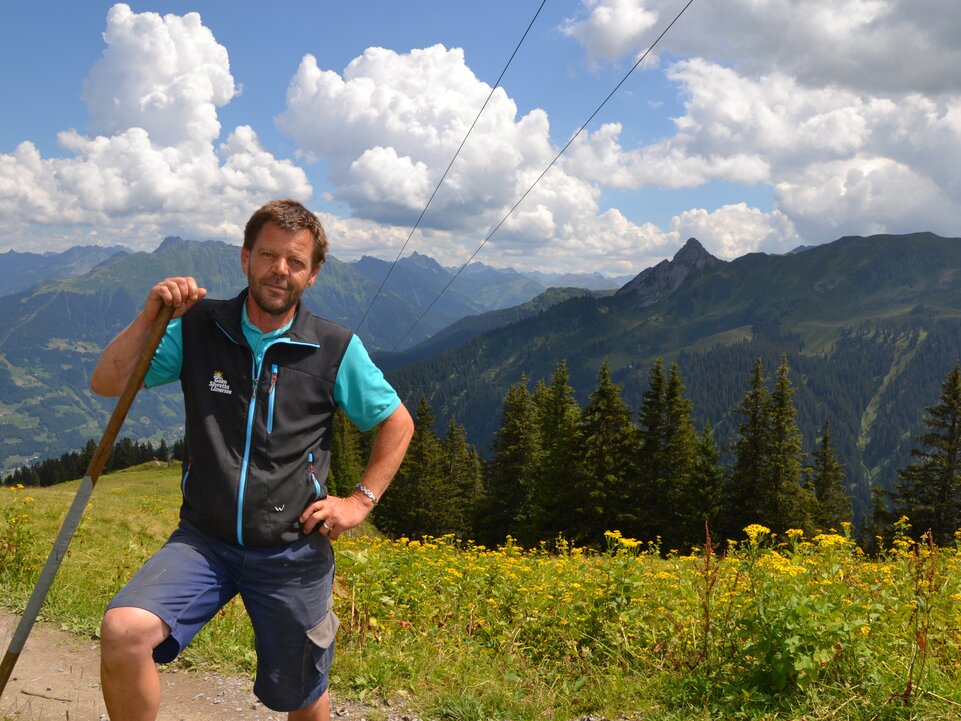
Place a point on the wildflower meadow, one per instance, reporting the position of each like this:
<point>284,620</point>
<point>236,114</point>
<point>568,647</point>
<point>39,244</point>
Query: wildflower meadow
<point>791,627</point>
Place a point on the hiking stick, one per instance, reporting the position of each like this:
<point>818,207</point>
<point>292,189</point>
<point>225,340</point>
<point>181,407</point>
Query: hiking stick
<point>70,523</point>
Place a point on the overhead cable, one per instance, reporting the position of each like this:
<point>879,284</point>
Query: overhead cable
<point>550,165</point>
<point>449,166</point>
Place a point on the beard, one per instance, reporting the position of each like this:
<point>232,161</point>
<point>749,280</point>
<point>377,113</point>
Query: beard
<point>264,293</point>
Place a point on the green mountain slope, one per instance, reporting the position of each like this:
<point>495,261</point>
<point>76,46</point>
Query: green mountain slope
<point>51,335</point>
<point>870,327</point>
<point>19,271</point>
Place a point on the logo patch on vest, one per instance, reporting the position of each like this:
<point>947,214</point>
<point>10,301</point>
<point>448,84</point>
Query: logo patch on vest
<point>218,384</point>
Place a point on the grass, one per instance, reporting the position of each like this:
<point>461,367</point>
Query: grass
<point>778,629</point>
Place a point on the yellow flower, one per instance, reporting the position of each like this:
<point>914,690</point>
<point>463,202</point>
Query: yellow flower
<point>826,540</point>
<point>756,532</point>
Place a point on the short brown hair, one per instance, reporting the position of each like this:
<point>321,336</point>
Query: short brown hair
<point>292,216</point>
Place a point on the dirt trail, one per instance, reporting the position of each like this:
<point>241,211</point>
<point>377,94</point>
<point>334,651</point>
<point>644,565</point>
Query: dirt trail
<point>57,677</point>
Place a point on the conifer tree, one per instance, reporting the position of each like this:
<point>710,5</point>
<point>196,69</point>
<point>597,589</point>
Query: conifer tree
<point>507,475</point>
<point>177,452</point>
<point>546,511</point>
<point>679,453</point>
<point>649,497</point>
<point>702,504</point>
<point>877,528</point>
<point>409,508</point>
<point>929,490</point>
<point>91,448</point>
<point>346,464</point>
<point>463,482</point>
<point>744,501</point>
<point>826,481</point>
<point>787,503</point>
<point>604,500</point>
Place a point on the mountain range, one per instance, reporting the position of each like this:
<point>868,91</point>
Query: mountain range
<point>870,327</point>
<point>52,332</point>
<point>19,271</point>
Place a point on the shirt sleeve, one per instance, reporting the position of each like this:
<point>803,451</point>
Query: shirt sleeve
<point>361,389</point>
<point>168,360</point>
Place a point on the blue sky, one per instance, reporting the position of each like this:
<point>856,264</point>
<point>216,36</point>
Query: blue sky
<point>756,125</point>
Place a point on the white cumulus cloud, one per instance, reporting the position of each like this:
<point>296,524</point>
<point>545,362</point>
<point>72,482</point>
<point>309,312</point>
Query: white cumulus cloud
<point>387,129</point>
<point>612,28</point>
<point>847,109</point>
<point>154,165</point>
<point>733,230</point>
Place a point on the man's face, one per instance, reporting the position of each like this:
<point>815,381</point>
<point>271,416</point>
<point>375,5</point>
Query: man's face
<point>279,268</point>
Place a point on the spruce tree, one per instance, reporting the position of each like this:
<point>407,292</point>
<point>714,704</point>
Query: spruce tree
<point>163,453</point>
<point>410,508</point>
<point>679,454</point>
<point>826,481</point>
<point>604,499</point>
<point>649,493</point>
<point>550,485</point>
<point>463,481</point>
<point>346,463</point>
<point>929,490</point>
<point>177,451</point>
<point>703,502</point>
<point>788,503</point>
<point>877,527</point>
<point>743,501</point>
<point>507,475</point>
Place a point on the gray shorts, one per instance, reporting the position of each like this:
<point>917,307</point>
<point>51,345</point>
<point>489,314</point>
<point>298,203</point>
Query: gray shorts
<point>287,591</point>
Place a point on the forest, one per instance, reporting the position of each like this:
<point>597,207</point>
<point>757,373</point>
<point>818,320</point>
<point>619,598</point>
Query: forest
<point>562,473</point>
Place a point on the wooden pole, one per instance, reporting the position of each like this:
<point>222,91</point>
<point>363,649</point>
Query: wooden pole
<point>70,523</point>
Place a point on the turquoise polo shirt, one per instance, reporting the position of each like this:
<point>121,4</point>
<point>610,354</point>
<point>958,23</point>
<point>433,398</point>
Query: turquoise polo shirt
<point>360,387</point>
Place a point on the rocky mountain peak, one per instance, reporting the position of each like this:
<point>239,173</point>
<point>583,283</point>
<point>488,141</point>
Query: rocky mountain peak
<point>654,284</point>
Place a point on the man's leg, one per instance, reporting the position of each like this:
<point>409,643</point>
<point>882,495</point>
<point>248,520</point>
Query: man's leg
<point>287,593</point>
<point>319,710</point>
<point>128,674</point>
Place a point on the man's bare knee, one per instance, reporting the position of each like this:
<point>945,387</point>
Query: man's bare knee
<point>127,631</point>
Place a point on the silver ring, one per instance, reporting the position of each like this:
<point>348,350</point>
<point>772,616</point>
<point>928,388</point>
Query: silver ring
<point>329,528</point>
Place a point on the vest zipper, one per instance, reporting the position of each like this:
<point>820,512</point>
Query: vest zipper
<point>312,479</point>
<point>245,464</point>
<point>270,398</point>
<point>183,481</point>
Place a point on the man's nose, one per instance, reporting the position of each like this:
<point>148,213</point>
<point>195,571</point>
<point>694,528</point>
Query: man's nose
<point>280,266</point>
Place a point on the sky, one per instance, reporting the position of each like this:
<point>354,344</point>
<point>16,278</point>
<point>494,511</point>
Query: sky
<point>753,125</point>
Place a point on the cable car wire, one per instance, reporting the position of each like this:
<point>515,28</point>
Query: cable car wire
<point>449,166</point>
<point>550,165</point>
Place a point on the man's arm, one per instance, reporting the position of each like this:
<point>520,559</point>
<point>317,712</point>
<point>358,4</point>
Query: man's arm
<point>116,362</point>
<point>340,514</point>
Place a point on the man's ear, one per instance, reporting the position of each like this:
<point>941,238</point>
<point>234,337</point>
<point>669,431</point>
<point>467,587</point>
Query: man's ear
<point>313,276</point>
<point>244,259</point>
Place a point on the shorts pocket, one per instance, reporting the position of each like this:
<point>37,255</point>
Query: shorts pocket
<point>322,635</point>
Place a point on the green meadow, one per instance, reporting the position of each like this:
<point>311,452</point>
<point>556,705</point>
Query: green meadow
<point>775,628</point>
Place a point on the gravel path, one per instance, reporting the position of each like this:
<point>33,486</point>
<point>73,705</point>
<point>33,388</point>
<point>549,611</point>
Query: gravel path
<point>58,677</point>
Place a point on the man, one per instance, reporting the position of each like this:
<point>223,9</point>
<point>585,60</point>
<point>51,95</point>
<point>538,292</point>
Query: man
<point>262,378</point>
